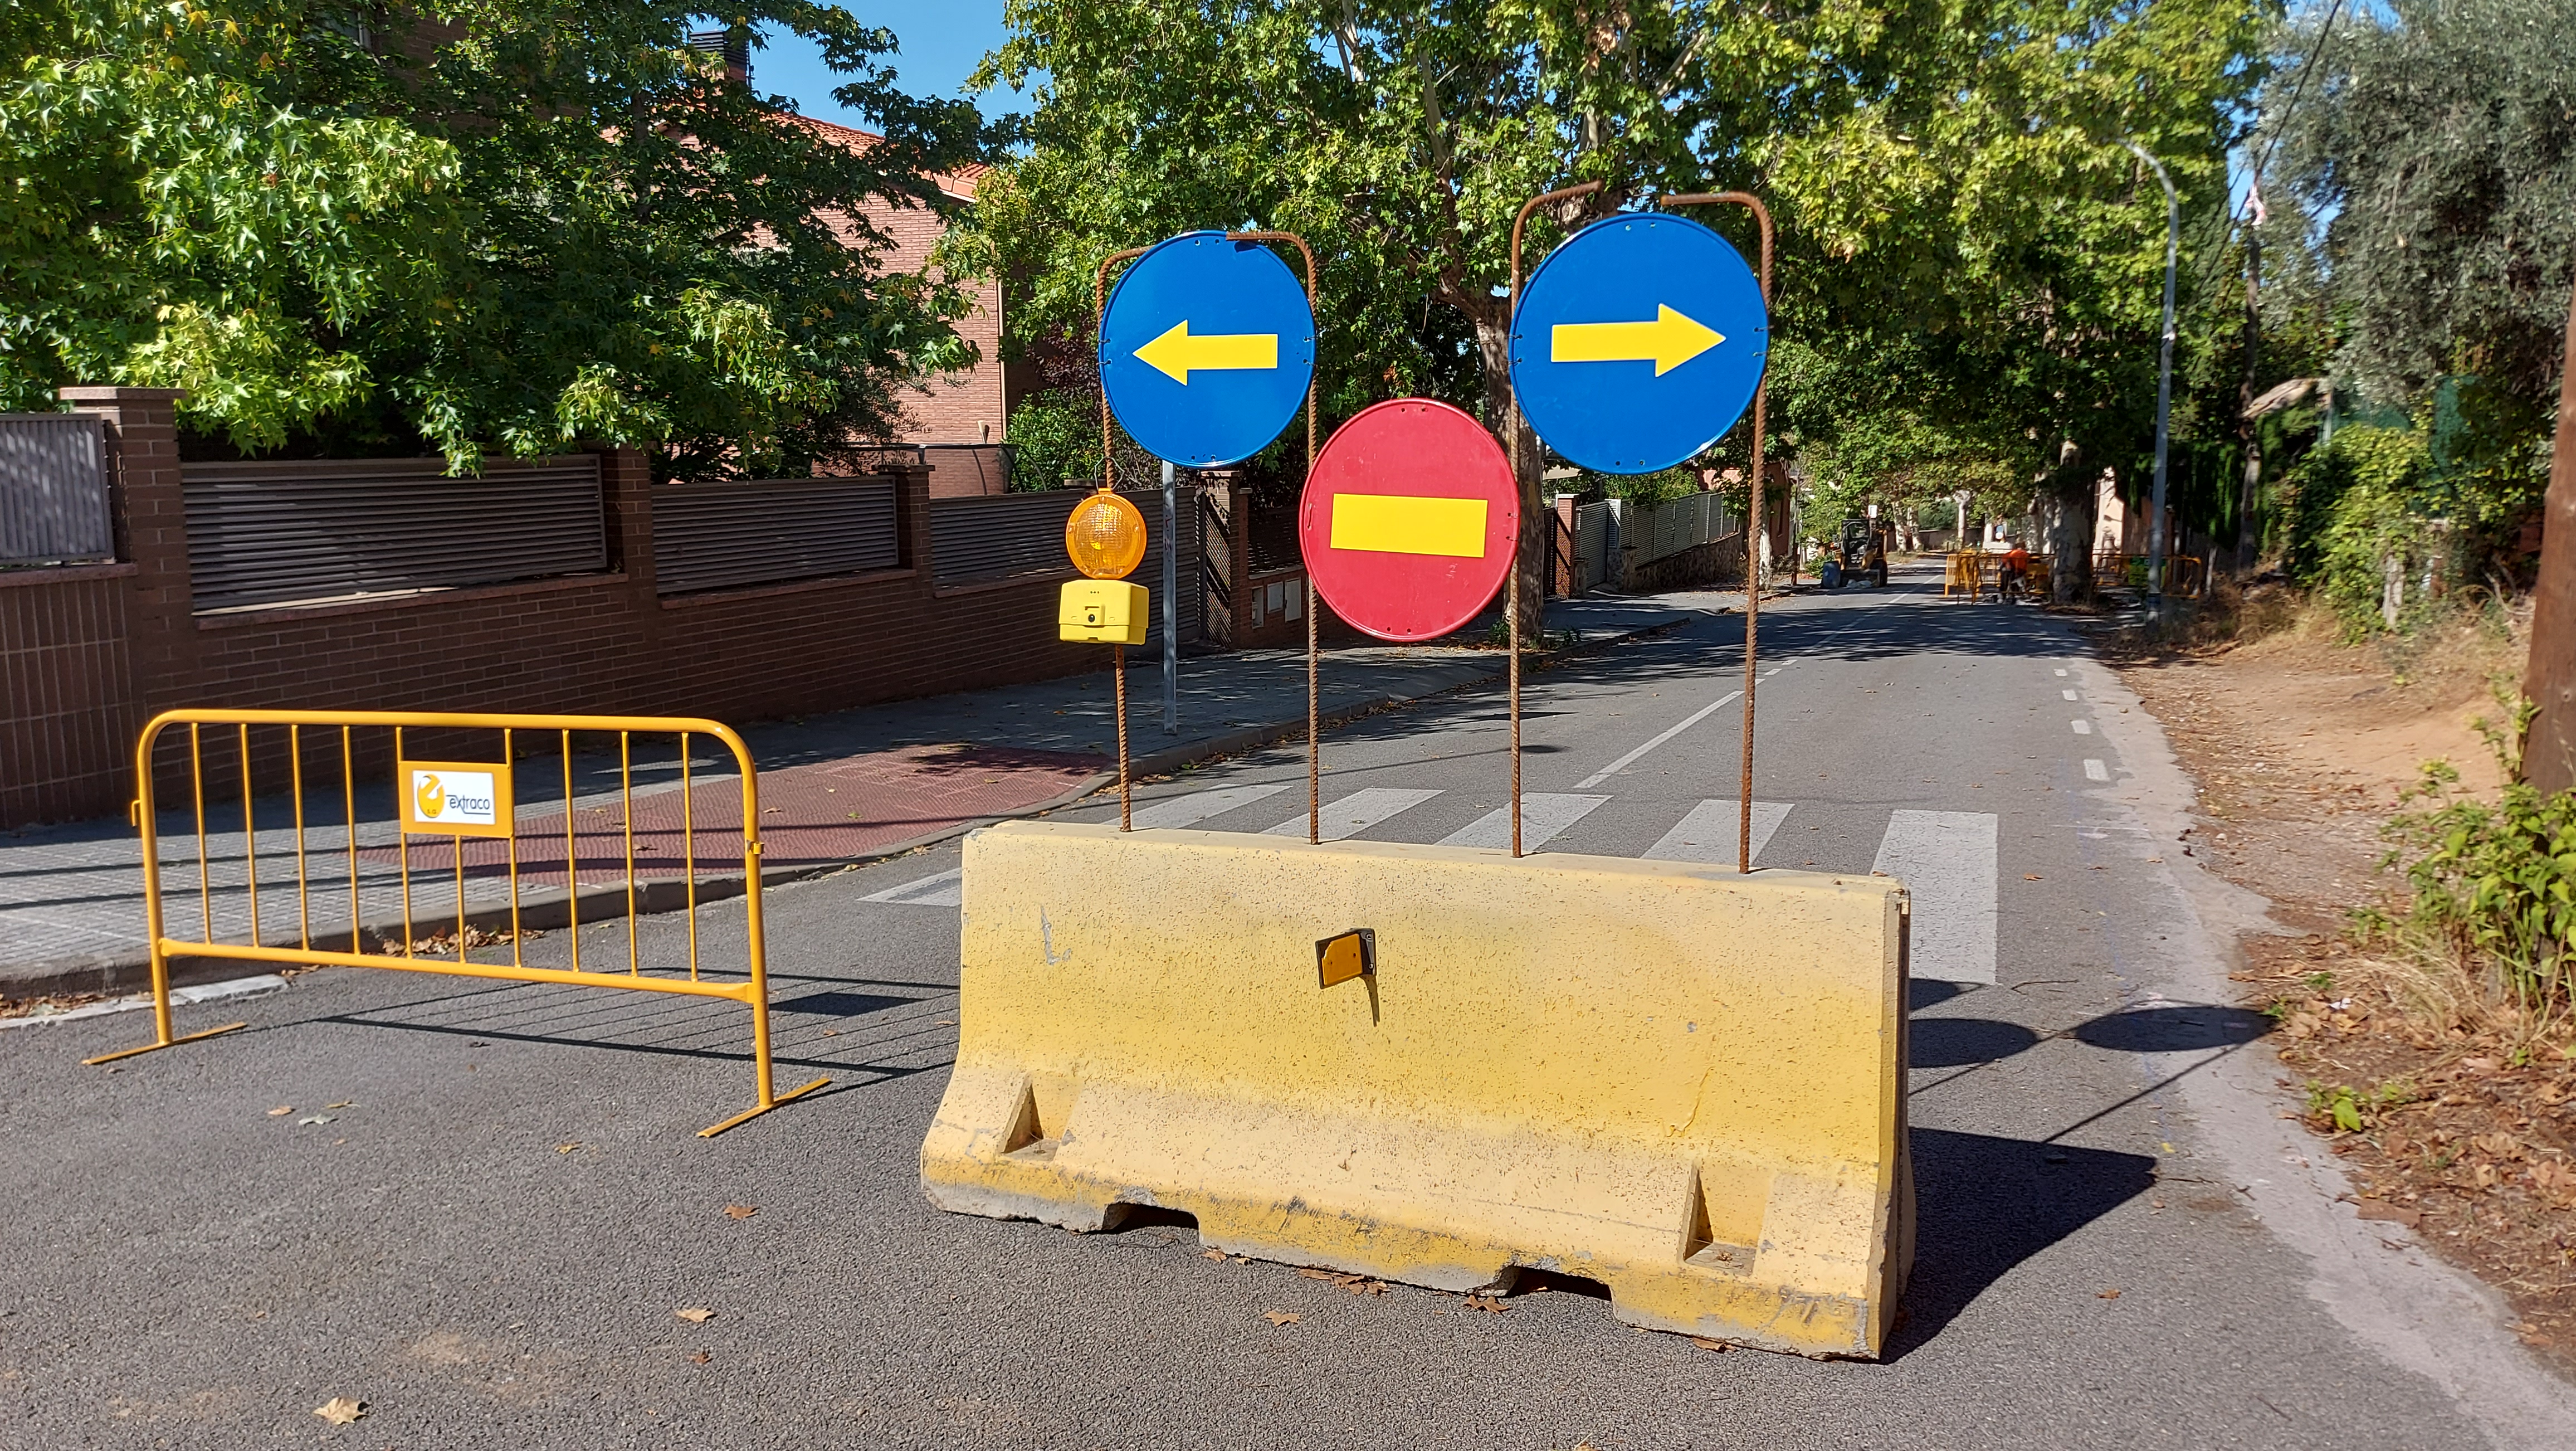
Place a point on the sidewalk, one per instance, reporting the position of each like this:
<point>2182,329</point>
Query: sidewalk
<point>834,790</point>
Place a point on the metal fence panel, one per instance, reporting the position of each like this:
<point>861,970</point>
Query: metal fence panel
<point>770,531</point>
<point>1591,545</point>
<point>262,533</point>
<point>53,489</point>
<point>1006,535</point>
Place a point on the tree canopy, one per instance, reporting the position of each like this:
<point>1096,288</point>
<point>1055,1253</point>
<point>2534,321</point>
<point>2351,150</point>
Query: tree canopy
<point>1967,246</point>
<point>2440,137</point>
<point>526,225</point>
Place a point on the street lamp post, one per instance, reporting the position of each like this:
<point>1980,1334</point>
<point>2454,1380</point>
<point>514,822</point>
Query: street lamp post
<point>2164,388</point>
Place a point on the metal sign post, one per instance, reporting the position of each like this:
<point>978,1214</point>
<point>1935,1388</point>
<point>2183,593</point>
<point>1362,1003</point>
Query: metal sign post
<point>1636,346</point>
<point>1171,610</point>
<point>1206,351</point>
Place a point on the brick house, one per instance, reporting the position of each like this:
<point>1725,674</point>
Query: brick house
<point>959,422</point>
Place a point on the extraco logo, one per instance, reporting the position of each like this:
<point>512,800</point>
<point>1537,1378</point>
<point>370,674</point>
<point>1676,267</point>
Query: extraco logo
<point>448,797</point>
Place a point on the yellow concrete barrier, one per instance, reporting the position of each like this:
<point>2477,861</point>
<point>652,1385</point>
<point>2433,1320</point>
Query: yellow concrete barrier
<point>1683,1082</point>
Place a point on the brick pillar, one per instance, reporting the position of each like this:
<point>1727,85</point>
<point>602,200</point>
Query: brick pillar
<point>1564,585</point>
<point>626,501</point>
<point>912,521</point>
<point>1217,503</point>
<point>1238,557</point>
<point>151,517</point>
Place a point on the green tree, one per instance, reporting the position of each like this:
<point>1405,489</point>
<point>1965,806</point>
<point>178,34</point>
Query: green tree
<point>2438,136</point>
<point>519,227</point>
<point>1963,235</point>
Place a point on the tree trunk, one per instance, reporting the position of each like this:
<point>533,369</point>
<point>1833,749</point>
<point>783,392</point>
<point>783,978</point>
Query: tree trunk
<point>2549,745</point>
<point>1494,343</point>
<point>2246,540</point>
<point>2072,483</point>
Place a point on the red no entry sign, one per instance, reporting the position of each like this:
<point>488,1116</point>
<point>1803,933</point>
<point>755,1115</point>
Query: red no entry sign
<point>1409,519</point>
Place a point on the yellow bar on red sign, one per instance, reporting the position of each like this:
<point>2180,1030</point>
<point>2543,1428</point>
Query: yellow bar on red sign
<point>1406,524</point>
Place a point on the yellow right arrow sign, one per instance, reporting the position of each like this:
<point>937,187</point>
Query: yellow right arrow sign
<point>1671,340</point>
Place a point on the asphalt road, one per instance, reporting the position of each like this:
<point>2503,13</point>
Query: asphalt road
<point>488,1200</point>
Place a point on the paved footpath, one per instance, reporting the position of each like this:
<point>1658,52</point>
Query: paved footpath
<point>476,1206</point>
<point>835,789</point>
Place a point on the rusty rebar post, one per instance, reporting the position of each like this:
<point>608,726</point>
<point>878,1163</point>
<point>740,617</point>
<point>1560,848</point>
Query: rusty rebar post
<point>1753,522</point>
<point>1512,447</point>
<point>1314,748</point>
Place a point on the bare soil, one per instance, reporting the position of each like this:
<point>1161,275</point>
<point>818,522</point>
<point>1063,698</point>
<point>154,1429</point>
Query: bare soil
<point>2302,746</point>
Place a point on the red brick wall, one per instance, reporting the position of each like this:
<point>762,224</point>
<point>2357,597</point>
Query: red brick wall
<point>85,655</point>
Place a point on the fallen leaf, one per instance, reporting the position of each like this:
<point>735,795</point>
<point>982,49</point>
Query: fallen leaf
<point>1366,1287</point>
<point>1217,1255</point>
<point>1315,1274</point>
<point>340,1410</point>
<point>1487,1304</point>
<point>945,1023</point>
<point>344,1103</point>
<point>2399,1213</point>
<point>1281,1317</point>
<point>741,1211</point>
<point>701,1357</point>
<point>1704,1343</point>
<point>2108,1295</point>
<point>281,1111</point>
<point>566,1148</point>
<point>2030,876</point>
<point>696,1314</point>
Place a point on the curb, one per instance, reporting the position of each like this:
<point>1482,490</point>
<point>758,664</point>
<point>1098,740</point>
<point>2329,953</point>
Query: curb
<point>553,909</point>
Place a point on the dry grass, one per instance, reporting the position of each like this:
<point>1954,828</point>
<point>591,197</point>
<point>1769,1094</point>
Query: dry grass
<point>2442,1094</point>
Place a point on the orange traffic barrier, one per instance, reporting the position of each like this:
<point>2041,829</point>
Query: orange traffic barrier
<point>455,821</point>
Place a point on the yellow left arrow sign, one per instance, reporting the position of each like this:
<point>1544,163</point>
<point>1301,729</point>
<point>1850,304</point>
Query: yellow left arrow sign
<point>1179,354</point>
<point>1671,340</point>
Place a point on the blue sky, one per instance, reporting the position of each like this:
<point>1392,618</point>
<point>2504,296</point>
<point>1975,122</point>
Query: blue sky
<point>942,41</point>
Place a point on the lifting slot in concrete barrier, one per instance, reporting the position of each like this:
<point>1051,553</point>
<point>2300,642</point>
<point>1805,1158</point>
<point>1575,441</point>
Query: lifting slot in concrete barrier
<point>1684,1083</point>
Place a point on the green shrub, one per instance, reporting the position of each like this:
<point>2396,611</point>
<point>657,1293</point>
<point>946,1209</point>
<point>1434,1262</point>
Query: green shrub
<point>1054,436</point>
<point>2494,883</point>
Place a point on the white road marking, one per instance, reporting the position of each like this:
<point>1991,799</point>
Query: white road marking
<point>2082,727</point>
<point>1543,815</point>
<point>1198,806</point>
<point>2061,672</point>
<point>1630,759</point>
<point>2070,695</point>
<point>1947,860</point>
<point>941,889</point>
<point>1709,832</point>
<point>1355,813</point>
<point>2096,771</point>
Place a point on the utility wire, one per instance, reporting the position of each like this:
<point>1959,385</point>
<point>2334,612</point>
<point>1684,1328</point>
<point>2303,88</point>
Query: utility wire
<point>2307,69</point>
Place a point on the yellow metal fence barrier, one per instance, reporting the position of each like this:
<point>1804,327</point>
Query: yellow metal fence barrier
<point>1976,574</point>
<point>447,813</point>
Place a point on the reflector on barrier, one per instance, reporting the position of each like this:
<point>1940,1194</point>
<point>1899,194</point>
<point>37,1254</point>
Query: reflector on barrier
<point>1685,1083</point>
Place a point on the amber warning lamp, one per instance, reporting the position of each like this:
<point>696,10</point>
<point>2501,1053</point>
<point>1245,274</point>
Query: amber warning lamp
<point>1106,539</point>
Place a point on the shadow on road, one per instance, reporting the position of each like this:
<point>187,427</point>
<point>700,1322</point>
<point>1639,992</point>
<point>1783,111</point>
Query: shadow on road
<point>1985,1204</point>
<point>2172,1030</point>
<point>1958,1042</point>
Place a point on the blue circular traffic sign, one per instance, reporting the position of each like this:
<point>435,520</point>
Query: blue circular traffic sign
<point>1638,343</point>
<point>1206,349</point>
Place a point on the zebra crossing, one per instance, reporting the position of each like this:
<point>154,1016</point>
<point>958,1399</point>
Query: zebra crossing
<point>1946,858</point>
